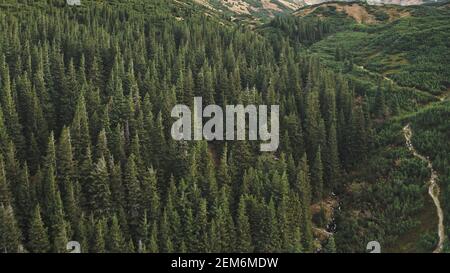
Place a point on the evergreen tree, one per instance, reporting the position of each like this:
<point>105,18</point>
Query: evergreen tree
<point>38,237</point>
<point>243,235</point>
<point>133,194</point>
<point>331,161</point>
<point>317,176</point>
<point>66,176</point>
<point>59,228</point>
<point>4,138</point>
<point>201,229</point>
<point>5,194</point>
<point>9,231</point>
<point>330,246</point>
<point>304,188</point>
<point>98,237</point>
<point>99,192</point>
<point>115,242</point>
<point>150,195</point>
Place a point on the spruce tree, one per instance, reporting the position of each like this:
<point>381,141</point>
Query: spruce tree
<point>150,195</point>
<point>317,176</point>
<point>4,138</point>
<point>98,237</point>
<point>243,235</point>
<point>5,194</point>
<point>304,188</point>
<point>10,236</point>
<point>37,234</point>
<point>330,246</point>
<point>98,189</point>
<point>66,174</point>
<point>331,161</point>
<point>115,242</point>
<point>133,194</point>
<point>153,240</point>
<point>59,228</point>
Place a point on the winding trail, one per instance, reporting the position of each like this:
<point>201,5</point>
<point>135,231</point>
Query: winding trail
<point>374,74</point>
<point>433,189</point>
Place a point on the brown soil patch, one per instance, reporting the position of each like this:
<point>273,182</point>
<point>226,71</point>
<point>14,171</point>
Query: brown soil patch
<point>395,14</point>
<point>328,204</point>
<point>356,11</point>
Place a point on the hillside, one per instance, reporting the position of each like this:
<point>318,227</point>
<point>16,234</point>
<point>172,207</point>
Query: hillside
<point>86,150</point>
<point>264,9</point>
<point>250,7</point>
<point>401,54</point>
<point>407,46</point>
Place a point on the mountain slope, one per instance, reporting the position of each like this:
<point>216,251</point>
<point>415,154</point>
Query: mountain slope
<point>253,9</point>
<point>270,8</point>
<point>408,45</point>
<point>404,52</point>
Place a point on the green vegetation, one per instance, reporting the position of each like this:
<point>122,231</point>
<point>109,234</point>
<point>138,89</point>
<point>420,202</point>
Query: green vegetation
<point>412,50</point>
<point>86,95</point>
<point>400,65</point>
<point>86,152</point>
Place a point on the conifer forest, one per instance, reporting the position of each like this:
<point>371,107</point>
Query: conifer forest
<point>87,152</point>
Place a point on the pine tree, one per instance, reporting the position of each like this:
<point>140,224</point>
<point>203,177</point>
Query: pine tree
<point>165,240</point>
<point>98,189</point>
<point>226,232</point>
<point>269,229</point>
<point>98,238</point>
<point>358,140</point>
<point>38,237</point>
<point>331,161</point>
<point>282,209</point>
<point>153,240</point>
<point>66,175</point>
<point>150,195</point>
<point>10,114</point>
<point>24,201</point>
<point>115,242</point>
<point>79,132</point>
<point>4,137</point>
<point>223,176</point>
<point>243,235</point>
<point>207,175</point>
<point>143,233</point>
<point>312,123</point>
<point>133,194</point>
<point>317,176</point>
<point>42,90</point>
<point>5,194</point>
<point>59,228</point>
<point>9,231</point>
<point>304,188</point>
<point>330,246</point>
<point>201,229</point>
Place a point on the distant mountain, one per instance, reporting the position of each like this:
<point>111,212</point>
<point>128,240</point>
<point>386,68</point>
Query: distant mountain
<point>263,8</point>
<point>377,2</point>
<point>253,7</point>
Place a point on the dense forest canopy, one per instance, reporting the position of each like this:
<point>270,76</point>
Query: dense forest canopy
<point>86,152</point>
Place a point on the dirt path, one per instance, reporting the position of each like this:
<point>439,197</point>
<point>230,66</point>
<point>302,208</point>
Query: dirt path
<point>445,96</point>
<point>433,189</point>
<point>374,74</point>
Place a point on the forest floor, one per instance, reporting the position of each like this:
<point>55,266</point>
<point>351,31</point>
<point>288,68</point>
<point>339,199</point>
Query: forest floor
<point>433,188</point>
<point>328,205</point>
